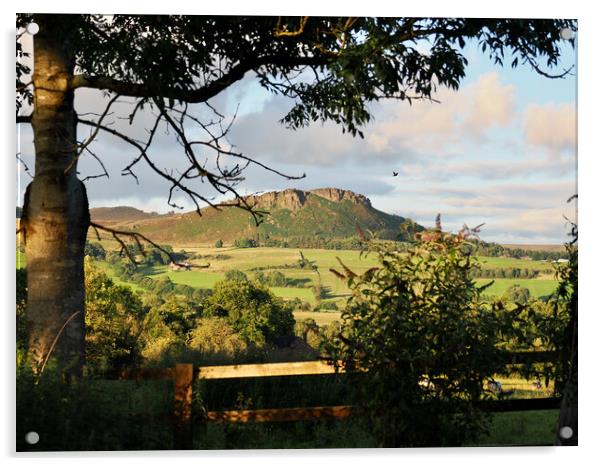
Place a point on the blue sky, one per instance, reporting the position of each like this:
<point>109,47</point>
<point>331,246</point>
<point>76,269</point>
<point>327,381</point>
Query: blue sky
<point>500,150</point>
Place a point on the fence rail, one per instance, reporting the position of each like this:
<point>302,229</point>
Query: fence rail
<point>184,376</point>
<point>266,370</point>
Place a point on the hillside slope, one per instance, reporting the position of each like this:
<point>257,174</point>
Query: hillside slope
<point>328,213</point>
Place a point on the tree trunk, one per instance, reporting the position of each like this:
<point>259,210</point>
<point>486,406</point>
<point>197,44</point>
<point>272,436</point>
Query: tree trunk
<point>55,208</point>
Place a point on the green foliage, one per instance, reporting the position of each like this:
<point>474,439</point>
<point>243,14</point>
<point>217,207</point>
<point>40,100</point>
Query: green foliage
<point>95,250</point>
<point>89,414</point>
<point>236,275</point>
<point>219,243</point>
<point>514,272</point>
<point>517,294</point>
<point>179,313</point>
<point>114,318</point>
<point>245,243</point>
<point>356,61</point>
<point>320,292</point>
<point>271,278</point>
<point>329,306</point>
<point>216,340</point>
<point>559,325</point>
<point>418,325</point>
<point>408,229</point>
<point>160,345</point>
<point>252,310</point>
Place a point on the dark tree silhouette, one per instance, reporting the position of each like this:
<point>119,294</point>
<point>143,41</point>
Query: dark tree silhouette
<point>330,67</point>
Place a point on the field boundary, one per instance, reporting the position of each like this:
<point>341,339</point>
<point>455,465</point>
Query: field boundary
<point>184,375</point>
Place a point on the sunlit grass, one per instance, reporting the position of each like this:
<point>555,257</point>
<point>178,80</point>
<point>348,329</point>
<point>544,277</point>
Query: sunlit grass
<point>536,287</point>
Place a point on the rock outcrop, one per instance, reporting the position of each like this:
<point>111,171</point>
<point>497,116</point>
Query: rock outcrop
<point>292,199</point>
<point>295,199</point>
<point>339,195</point>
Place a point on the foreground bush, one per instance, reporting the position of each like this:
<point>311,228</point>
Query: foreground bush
<point>418,325</point>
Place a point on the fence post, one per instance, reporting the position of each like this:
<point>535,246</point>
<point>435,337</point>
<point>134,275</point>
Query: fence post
<point>183,377</point>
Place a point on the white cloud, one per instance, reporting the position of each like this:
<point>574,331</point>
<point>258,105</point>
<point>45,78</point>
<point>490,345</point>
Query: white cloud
<point>488,103</point>
<point>552,127</point>
<point>431,127</point>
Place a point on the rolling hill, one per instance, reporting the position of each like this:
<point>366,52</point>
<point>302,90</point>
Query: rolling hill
<point>327,212</point>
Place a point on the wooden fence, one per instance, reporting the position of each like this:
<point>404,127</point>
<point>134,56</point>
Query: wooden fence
<point>184,376</point>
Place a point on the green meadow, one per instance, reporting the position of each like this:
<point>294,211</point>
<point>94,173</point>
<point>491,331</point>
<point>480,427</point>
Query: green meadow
<point>249,260</point>
<point>213,263</point>
<point>537,287</point>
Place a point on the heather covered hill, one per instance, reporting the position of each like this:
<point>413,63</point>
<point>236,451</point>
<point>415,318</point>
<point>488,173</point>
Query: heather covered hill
<point>292,213</point>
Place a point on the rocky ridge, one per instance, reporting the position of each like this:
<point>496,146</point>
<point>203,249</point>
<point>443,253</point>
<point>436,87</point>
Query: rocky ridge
<point>295,199</point>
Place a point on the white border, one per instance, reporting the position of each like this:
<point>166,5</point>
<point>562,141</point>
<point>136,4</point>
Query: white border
<point>589,207</point>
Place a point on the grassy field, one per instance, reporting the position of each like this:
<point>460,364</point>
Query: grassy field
<point>508,262</point>
<point>321,318</point>
<point>251,260</point>
<point>537,287</point>
<point>104,266</point>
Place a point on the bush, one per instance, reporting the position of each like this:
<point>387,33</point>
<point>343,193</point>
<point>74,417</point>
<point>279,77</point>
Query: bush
<point>517,294</point>
<point>180,314</point>
<point>418,325</point>
<point>252,310</point>
<point>87,414</point>
<point>329,306</point>
<point>113,323</point>
<point>245,243</point>
<point>95,250</point>
<point>215,339</point>
<point>276,278</point>
<point>219,243</point>
<point>235,275</point>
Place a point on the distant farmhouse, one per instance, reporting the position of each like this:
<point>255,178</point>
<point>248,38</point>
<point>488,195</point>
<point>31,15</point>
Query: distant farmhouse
<point>177,267</point>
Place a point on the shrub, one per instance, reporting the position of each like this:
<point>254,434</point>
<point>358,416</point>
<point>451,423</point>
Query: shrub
<point>417,324</point>
<point>113,322</point>
<point>215,339</point>
<point>517,294</point>
<point>95,250</point>
<point>219,243</point>
<point>245,243</point>
<point>235,275</point>
<point>179,313</point>
<point>329,306</point>
<point>252,310</point>
<point>276,278</point>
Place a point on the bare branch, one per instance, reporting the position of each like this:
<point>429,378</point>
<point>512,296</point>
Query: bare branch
<point>92,136</point>
<point>220,175</point>
<point>138,238</point>
<point>102,165</point>
<point>25,166</point>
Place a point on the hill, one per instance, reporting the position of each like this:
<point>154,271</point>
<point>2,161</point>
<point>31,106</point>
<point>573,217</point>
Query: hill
<point>537,247</point>
<point>120,215</point>
<point>292,213</point>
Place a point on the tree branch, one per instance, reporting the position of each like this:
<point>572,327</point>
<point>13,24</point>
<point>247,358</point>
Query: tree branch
<point>236,73</point>
<point>137,237</point>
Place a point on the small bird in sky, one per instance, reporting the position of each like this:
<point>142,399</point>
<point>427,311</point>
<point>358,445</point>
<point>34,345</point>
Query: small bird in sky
<point>395,173</point>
